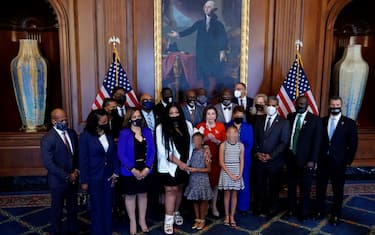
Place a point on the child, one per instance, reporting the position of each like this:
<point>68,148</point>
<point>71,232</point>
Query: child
<point>199,189</point>
<point>231,161</point>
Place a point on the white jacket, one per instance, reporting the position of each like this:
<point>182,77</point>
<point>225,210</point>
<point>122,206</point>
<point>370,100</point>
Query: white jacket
<point>164,165</point>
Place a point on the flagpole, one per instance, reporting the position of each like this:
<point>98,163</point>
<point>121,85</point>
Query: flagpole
<point>115,40</point>
<point>298,44</point>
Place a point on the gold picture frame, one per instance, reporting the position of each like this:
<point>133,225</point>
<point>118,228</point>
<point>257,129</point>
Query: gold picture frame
<point>158,44</point>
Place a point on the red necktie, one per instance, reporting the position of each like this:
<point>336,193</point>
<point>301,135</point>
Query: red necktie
<point>66,142</point>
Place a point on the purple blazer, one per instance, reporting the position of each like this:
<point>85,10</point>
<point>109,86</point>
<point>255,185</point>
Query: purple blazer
<point>125,150</point>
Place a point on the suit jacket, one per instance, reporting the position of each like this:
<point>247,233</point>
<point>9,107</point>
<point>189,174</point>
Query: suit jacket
<point>344,142</point>
<point>309,140</point>
<point>116,123</point>
<point>274,141</point>
<point>220,113</point>
<point>94,162</point>
<point>57,158</point>
<point>198,114</point>
<point>160,112</point>
<point>126,152</point>
<point>249,104</point>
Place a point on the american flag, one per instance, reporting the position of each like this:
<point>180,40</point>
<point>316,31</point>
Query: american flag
<point>115,76</point>
<point>289,91</point>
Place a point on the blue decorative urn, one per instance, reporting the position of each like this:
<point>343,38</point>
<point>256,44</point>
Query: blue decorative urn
<point>29,75</point>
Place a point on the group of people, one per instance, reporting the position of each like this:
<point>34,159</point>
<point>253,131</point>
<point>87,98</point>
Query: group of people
<point>196,149</point>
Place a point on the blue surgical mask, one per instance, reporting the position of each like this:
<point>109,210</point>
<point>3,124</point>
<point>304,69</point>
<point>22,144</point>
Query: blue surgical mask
<point>202,99</point>
<point>62,126</point>
<point>148,104</point>
<point>137,122</point>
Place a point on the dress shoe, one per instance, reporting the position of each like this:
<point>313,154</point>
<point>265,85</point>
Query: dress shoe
<point>290,213</point>
<point>302,218</point>
<point>334,220</point>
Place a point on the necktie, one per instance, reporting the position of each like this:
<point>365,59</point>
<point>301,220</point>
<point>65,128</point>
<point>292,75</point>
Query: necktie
<point>121,112</point>
<point>331,128</point>
<point>66,142</point>
<point>268,124</point>
<point>296,133</point>
<point>150,122</point>
<point>241,102</point>
<point>192,112</point>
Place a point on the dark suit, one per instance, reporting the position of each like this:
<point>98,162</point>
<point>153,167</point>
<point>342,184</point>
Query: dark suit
<point>336,154</point>
<point>249,104</point>
<point>60,163</point>
<point>274,141</point>
<point>308,149</point>
<point>116,123</point>
<point>198,114</point>
<point>160,112</point>
<point>97,166</point>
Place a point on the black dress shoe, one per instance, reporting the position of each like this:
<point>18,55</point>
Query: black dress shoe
<point>334,220</point>
<point>290,214</point>
<point>302,218</point>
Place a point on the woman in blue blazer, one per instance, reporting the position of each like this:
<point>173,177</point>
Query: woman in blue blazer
<point>136,151</point>
<point>247,139</point>
<point>98,168</point>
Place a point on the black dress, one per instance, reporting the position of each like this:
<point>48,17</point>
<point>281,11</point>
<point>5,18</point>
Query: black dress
<point>132,185</point>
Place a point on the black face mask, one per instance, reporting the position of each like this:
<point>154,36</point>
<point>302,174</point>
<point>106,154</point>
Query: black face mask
<point>121,100</point>
<point>300,109</point>
<point>174,121</point>
<point>238,120</point>
<point>137,122</point>
<point>168,99</point>
<point>334,111</point>
<point>259,107</point>
<point>104,127</point>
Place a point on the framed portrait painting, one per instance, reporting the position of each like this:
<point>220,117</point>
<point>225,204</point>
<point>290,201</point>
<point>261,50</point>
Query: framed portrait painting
<point>200,44</point>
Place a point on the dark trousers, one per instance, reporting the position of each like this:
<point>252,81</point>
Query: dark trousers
<point>301,177</point>
<point>329,169</point>
<point>101,195</point>
<point>58,195</point>
<point>267,181</point>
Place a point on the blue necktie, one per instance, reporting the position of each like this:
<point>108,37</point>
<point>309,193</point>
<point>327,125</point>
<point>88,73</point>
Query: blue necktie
<point>331,128</point>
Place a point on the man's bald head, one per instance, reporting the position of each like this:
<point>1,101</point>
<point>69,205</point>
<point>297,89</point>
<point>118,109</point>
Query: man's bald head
<point>146,96</point>
<point>58,115</point>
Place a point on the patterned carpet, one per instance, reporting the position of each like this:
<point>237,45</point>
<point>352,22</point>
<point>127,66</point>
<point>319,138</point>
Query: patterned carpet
<point>29,213</point>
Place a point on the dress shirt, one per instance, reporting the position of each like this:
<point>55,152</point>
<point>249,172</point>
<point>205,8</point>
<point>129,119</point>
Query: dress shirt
<point>242,102</point>
<point>271,120</point>
<point>303,115</point>
<point>337,118</point>
<point>61,134</point>
<point>227,111</point>
<point>150,119</point>
<point>104,141</point>
<point>121,111</point>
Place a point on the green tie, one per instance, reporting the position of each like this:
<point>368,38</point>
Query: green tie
<point>296,133</point>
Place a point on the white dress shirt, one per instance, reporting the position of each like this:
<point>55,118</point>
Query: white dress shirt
<point>227,111</point>
<point>271,120</point>
<point>104,141</point>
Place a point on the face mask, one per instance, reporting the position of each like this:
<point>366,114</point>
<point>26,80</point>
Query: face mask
<point>168,99</point>
<point>62,126</point>
<point>271,110</point>
<point>202,99</point>
<point>238,120</point>
<point>237,93</point>
<point>104,127</point>
<point>226,102</point>
<point>137,122</point>
<point>121,100</point>
<point>335,111</point>
<point>148,105</point>
<point>301,109</point>
<point>174,121</point>
<point>259,107</point>
<point>191,102</point>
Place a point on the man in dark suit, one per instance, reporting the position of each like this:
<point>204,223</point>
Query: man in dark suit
<point>339,145</point>
<point>119,95</point>
<point>271,138</point>
<point>241,98</point>
<point>160,108</point>
<point>59,149</point>
<point>192,112</point>
<point>302,156</point>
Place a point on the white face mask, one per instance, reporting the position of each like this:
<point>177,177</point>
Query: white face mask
<point>237,93</point>
<point>271,110</point>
